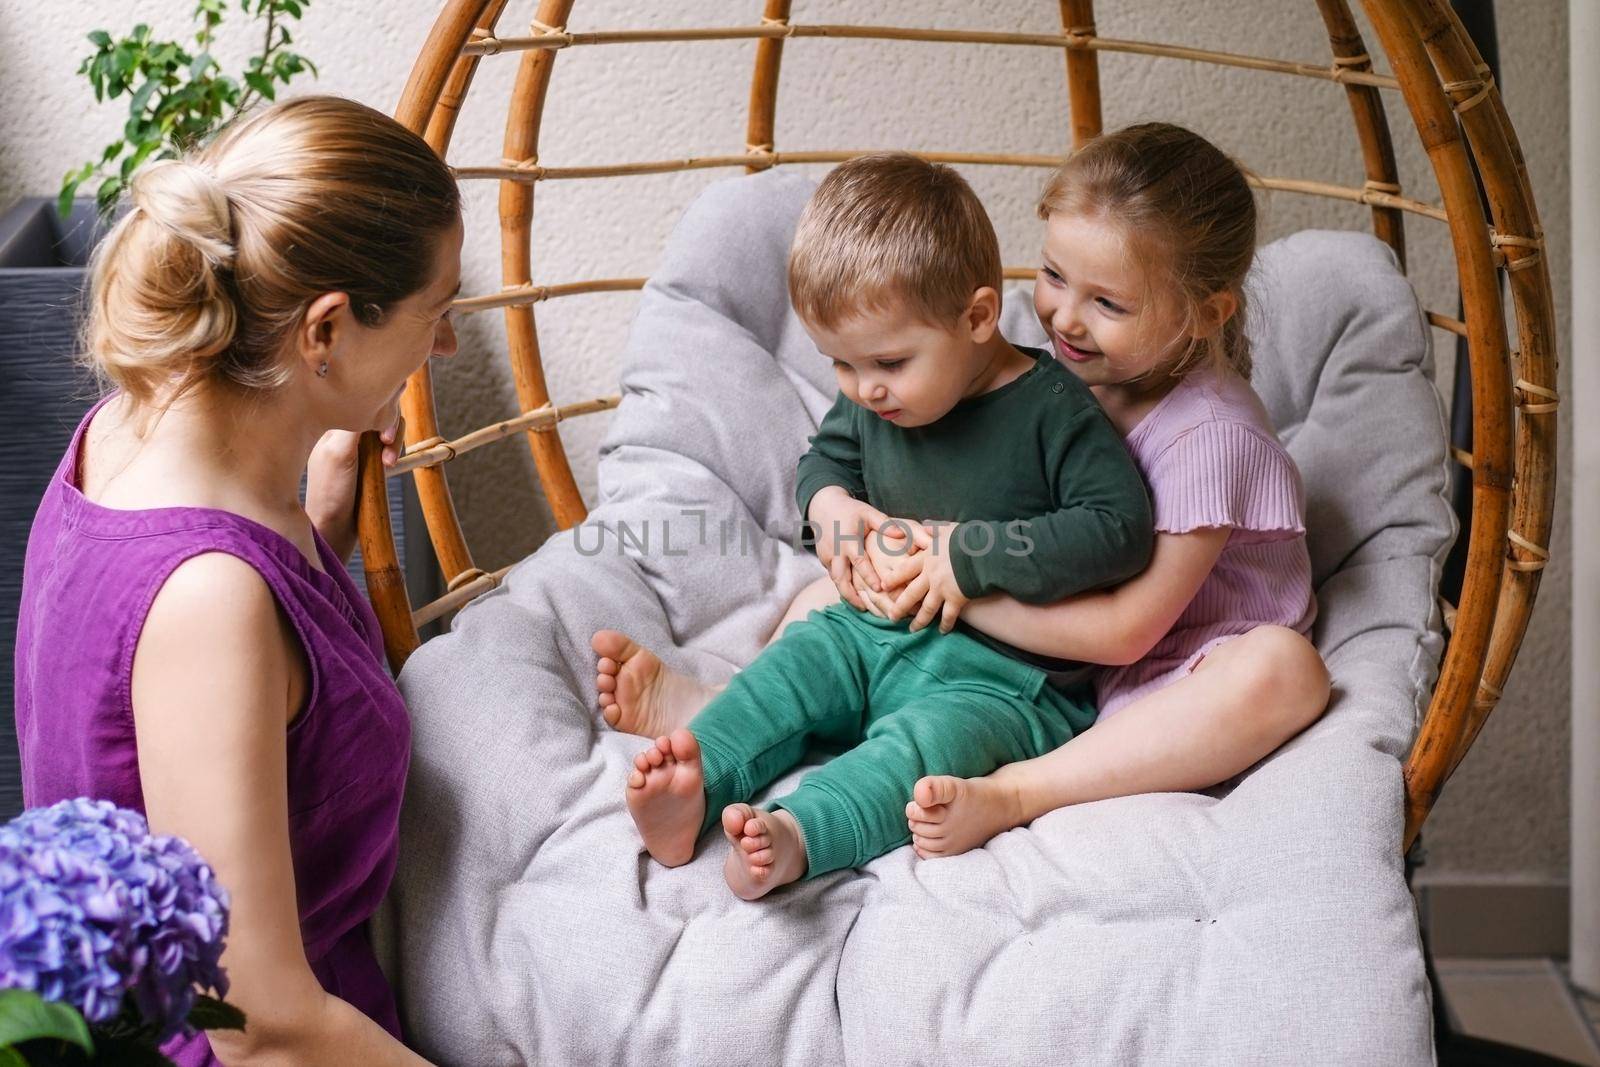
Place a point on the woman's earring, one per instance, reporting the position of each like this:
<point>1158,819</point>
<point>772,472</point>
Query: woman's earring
<point>322,369</point>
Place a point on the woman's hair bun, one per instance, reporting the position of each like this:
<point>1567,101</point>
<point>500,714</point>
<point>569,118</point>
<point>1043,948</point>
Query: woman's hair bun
<point>187,200</point>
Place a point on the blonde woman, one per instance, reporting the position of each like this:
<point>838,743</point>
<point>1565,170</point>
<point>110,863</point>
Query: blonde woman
<point>189,644</point>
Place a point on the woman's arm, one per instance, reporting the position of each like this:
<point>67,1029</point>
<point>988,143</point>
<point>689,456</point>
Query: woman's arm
<point>1111,626</point>
<point>217,675</point>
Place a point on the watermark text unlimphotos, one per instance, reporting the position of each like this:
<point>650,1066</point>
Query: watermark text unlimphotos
<point>693,531</point>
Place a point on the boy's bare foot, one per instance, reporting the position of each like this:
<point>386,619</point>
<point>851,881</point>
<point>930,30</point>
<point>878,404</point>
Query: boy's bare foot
<point>667,798</point>
<point>768,850</point>
<point>949,815</point>
<point>638,694</point>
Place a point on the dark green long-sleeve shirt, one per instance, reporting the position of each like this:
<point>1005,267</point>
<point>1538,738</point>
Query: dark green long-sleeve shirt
<point>1048,498</point>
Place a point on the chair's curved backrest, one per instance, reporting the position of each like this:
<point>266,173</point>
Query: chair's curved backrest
<point>1456,112</point>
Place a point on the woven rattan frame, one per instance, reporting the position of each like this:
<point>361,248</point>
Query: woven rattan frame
<point>1455,108</point>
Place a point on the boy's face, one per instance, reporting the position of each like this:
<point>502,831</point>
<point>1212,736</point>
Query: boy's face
<point>1093,299</point>
<point>899,367</point>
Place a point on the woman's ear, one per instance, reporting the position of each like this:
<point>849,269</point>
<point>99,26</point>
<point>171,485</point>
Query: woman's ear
<point>982,317</point>
<point>1215,311</point>
<point>319,333</point>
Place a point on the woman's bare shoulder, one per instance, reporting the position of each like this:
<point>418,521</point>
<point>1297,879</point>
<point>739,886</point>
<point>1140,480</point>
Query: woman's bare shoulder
<point>215,628</point>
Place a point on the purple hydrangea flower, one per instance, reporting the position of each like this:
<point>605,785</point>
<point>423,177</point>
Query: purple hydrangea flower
<point>94,909</point>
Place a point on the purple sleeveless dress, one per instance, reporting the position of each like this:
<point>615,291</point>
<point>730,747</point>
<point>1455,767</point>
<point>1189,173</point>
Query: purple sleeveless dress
<point>89,578</point>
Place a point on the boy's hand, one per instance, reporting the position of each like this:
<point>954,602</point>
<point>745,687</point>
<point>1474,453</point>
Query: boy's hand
<point>888,550</point>
<point>933,589</point>
<point>843,527</point>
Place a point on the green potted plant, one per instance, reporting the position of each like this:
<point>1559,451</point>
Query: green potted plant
<point>178,93</point>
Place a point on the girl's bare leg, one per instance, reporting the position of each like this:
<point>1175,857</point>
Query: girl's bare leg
<point>1247,697</point>
<point>640,695</point>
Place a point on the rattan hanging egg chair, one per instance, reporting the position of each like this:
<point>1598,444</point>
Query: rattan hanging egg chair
<point>1457,113</point>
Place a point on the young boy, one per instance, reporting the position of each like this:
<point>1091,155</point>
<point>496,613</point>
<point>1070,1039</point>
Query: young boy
<point>1010,478</point>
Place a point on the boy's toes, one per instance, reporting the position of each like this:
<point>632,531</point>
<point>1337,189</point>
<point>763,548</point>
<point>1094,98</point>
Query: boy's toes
<point>611,713</point>
<point>681,745</point>
<point>762,858</point>
<point>734,818</point>
<point>606,683</point>
<point>755,842</point>
<point>934,790</point>
<point>635,779</point>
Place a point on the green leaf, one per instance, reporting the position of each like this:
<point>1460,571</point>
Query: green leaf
<point>141,99</point>
<point>209,1013</point>
<point>24,1016</point>
<point>71,182</point>
<point>135,161</point>
<point>10,1057</point>
<point>69,192</point>
<point>260,84</point>
<point>289,7</point>
<point>201,64</point>
<point>105,197</point>
<point>100,39</point>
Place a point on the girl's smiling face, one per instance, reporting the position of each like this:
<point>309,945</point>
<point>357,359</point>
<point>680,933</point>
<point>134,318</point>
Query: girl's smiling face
<point>1106,322</point>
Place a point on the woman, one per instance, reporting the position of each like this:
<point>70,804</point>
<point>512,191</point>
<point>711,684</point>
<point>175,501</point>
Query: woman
<point>189,644</point>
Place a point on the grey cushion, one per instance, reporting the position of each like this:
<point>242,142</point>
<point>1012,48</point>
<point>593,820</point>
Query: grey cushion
<point>1268,922</point>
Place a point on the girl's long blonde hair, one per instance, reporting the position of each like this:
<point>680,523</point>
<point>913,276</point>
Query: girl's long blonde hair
<point>1187,209</point>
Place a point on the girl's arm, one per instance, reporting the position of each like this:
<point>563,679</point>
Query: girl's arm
<point>217,675</point>
<point>1112,626</point>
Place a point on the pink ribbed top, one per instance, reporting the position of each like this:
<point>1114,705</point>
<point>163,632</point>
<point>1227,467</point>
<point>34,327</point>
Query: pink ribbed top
<point>1212,459</point>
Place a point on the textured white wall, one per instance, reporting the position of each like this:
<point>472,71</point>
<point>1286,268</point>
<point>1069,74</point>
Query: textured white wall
<point>1505,811</point>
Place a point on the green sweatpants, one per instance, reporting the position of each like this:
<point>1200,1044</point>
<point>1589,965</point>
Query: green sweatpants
<point>902,704</point>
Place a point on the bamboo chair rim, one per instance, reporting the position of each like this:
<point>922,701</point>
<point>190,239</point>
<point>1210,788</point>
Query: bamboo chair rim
<point>1343,69</point>
<point>1453,104</point>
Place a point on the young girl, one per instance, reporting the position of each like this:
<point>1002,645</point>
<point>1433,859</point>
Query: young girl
<point>1149,232</point>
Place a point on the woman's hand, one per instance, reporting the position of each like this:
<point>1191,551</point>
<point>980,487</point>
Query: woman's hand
<point>331,483</point>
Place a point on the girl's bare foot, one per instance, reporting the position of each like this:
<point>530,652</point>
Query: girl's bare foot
<point>768,850</point>
<point>638,694</point>
<point>667,798</point>
<point>949,815</point>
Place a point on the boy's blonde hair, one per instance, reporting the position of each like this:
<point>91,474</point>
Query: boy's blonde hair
<point>1188,211</point>
<point>204,279</point>
<point>888,228</point>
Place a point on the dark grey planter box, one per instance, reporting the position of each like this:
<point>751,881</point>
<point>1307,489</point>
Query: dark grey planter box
<point>43,395</point>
